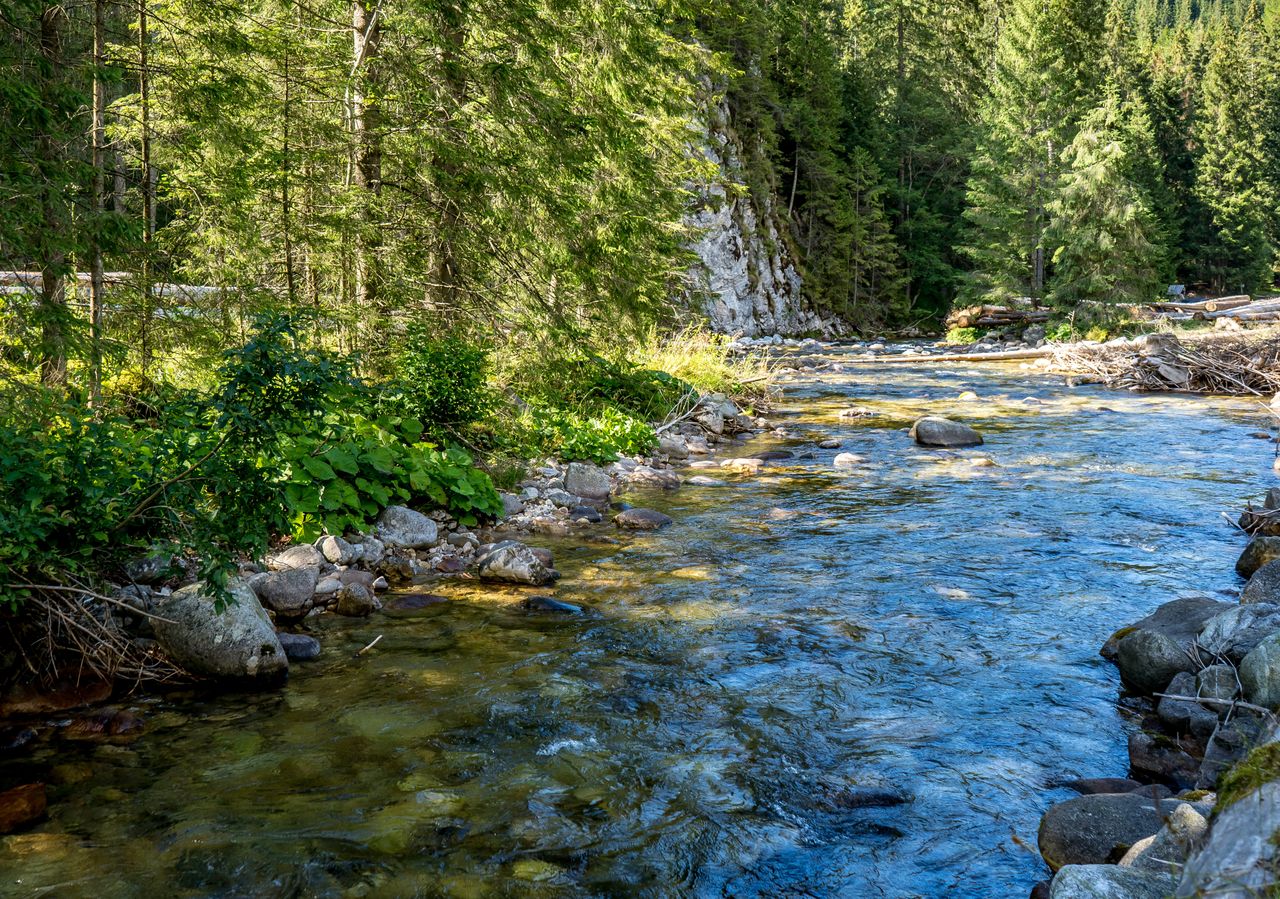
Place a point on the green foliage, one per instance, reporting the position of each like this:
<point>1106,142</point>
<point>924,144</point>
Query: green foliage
<point>1261,766</point>
<point>439,381</point>
<point>963,335</point>
<point>597,437</point>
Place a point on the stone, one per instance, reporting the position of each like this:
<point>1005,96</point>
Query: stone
<point>1109,882</point>
<point>300,555</point>
<point>773,455</point>
<point>328,585</point>
<point>585,514</point>
<point>357,576</point>
<point>549,604</point>
<point>641,520</point>
<point>372,550</point>
<point>1158,756</point>
<point>846,460</point>
<point>745,464</point>
<point>711,420</point>
<point>514,563</point>
<point>511,505</point>
<point>562,499</point>
<point>674,446</point>
<point>402,527</point>
<point>413,602</point>
<point>550,527</point>
<point>1090,785</point>
<point>1259,552</point>
<point>1153,650</point>
<point>26,699</point>
<point>1238,859</point>
<point>644,476</point>
<point>697,445</point>
<point>1168,849</point>
<point>1218,682</point>
<point>102,725</point>
<point>238,642</point>
<point>587,480</point>
<point>1263,586</point>
<point>22,806</point>
<point>830,443</point>
<point>1033,334</point>
<point>355,601</point>
<point>1231,742</point>
<point>287,593</point>
<point>701,480</point>
<point>1260,673</point>
<point>152,569</point>
<point>299,647</point>
<point>1233,633</point>
<point>337,550</point>
<point>1099,828</point>
<point>935,431</point>
<point>1184,716</point>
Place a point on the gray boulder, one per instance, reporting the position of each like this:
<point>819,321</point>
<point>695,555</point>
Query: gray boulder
<point>673,446</point>
<point>355,601</point>
<point>1259,552</point>
<point>337,550</point>
<point>1167,851</point>
<point>1263,586</point>
<point>514,563</point>
<point>935,431</point>
<point>586,480</point>
<point>301,555</point>
<point>511,505</point>
<point>371,550</point>
<point>1096,829</point>
<point>1260,673</point>
<point>562,498</point>
<point>238,642</point>
<point>287,593</point>
<point>1233,633</point>
<point>1109,882</point>
<point>1238,860</point>
<point>152,569</point>
<point>402,527</point>
<point>1184,716</point>
<point>1150,652</point>
<point>641,520</point>
<point>1156,756</point>
<point>299,647</point>
<point>1218,682</point>
<point>644,476</point>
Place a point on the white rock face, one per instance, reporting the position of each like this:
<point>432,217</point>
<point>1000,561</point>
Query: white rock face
<point>752,284</point>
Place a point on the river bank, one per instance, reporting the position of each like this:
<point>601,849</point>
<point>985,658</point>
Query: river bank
<point>919,628</point>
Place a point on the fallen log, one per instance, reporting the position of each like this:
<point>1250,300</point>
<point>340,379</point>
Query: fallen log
<point>999,356</point>
<point>1213,305</point>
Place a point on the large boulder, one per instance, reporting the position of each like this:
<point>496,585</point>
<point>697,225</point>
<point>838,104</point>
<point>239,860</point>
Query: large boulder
<point>588,481</point>
<point>1233,633</point>
<point>287,593</point>
<point>515,563</point>
<point>1097,829</point>
<point>1259,552</point>
<point>301,555</point>
<point>1260,673</point>
<point>1109,882</point>
<point>933,430</point>
<point>1168,849</point>
<point>238,642</point>
<point>1150,652</point>
<point>641,520</point>
<point>1185,716</point>
<point>1238,859</point>
<point>1263,586</point>
<point>337,550</point>
<point>402,527</point>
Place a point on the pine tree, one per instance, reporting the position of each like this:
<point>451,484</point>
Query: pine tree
<point>1105,237</point>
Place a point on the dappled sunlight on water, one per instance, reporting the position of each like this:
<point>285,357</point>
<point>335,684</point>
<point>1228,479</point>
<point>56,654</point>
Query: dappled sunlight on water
<point>923,622</point>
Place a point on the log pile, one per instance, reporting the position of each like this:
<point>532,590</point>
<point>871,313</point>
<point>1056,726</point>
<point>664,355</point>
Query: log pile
<point>997,317</point>
<point>1229,364</point>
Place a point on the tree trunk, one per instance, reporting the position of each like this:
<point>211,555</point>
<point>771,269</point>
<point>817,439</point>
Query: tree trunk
<point>96,286</point>
<point>52,253</point>
<point>366,33</point>
<point>148,191</point>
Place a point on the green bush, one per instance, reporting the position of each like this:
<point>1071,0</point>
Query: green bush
<point>963,335</point>
<point>578,437</point>
<point>439,381</point>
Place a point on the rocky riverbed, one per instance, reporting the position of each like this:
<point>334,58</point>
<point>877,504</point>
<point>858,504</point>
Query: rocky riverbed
<point>813,656</point>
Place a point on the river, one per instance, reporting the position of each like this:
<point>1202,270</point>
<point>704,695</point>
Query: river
<point>743,681</point>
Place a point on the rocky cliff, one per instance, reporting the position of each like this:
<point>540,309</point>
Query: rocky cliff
<point>748,280</point>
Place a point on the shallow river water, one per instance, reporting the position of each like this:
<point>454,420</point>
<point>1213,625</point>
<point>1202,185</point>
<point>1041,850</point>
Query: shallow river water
<point>743,679</point>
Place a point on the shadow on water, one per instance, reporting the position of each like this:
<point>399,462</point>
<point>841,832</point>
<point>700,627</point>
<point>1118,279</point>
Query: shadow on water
<point>819,682</point>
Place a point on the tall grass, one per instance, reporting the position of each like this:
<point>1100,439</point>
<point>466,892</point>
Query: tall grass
<point>707,362</point>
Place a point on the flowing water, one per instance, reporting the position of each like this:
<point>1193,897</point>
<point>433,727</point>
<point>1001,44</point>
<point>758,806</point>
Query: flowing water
<point>742,683</point>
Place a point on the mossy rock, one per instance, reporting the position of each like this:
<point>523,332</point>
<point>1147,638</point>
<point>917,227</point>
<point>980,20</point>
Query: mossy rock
<point>1260,766</point>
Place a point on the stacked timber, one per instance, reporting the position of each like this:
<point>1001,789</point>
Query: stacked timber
<point>996,317</point>
<point>1217,304</point>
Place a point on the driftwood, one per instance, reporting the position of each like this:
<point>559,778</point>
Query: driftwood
<point>996,316</point>
<point>997,356</point>
<point>1215,305</point>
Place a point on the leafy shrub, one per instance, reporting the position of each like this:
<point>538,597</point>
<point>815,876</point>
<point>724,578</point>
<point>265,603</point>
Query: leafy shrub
<point>579,437</point>
<point>440,381</point>
<point>1060,332</point>
<point>963,335</point>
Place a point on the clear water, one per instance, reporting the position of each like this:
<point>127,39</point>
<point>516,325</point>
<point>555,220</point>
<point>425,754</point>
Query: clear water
<point>920,622</point>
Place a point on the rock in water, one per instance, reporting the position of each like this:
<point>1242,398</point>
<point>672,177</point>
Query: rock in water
<point>935,431</point>
<point>1263,586</point>
<point>515,563</point>
<point>21,806</point>
<point>1169,848</point>
<point>299,647</point>
<point>1096,829</point>
<point>1239,857</point>
<point>402,527</point>
<point>238,642</point>
<point>1150,652</point>
<point>1109,882</point>
<point>641,520</point>
<point>287,593</point>
<point>1260,673</point>
<point>355,601</point>
<point>1238,630</point>
<point>586,480</point>
<point>1259,552</point>
<point>549,604</point>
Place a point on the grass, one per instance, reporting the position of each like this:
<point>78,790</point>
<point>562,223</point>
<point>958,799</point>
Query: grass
<point>706,361</point>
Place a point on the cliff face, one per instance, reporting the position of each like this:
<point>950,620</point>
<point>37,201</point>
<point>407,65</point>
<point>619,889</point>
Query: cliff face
<point>751,285</point>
